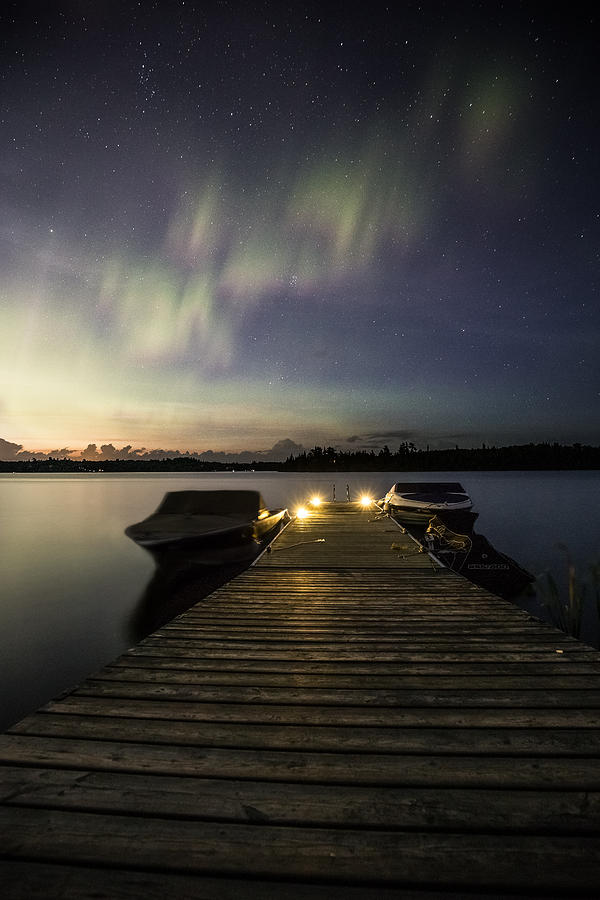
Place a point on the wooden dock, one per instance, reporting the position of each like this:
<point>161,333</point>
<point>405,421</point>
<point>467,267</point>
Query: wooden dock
<point>343,720</point>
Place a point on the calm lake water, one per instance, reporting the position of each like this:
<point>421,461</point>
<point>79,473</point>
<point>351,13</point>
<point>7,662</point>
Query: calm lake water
<point>72,583</point>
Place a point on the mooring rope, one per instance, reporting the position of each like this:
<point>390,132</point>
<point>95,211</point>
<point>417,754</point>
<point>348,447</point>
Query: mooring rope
<point>279,549</point>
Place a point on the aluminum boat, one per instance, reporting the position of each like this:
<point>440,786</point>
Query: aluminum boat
<point>217,523</point>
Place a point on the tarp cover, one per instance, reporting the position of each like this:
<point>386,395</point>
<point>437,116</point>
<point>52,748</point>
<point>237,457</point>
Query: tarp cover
<point>190,503</point>
<point>410,487</point>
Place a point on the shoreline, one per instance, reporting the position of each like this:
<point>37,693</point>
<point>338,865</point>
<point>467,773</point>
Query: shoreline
<point>516,457</point>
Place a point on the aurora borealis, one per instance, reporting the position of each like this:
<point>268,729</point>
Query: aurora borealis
<point>224,225</point>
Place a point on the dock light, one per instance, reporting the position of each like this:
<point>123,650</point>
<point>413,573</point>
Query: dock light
<point>302,512</point>
<point>365,500</point>
<point>315,501</point>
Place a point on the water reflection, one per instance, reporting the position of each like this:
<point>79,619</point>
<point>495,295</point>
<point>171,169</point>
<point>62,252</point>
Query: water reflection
<point>76,593</point>
<point>173,589</point>
<point>184,576</point>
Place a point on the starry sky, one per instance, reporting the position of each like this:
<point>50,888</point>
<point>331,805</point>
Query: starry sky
<point>225,225</point>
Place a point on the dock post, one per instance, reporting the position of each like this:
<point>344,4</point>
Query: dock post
<point>348,493</point>
<point>333,496</point>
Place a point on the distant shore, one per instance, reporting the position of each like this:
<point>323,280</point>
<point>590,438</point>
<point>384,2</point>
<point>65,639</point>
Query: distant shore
<point>407,458</point>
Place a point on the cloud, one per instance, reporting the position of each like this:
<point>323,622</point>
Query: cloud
<point>376,439</point>
<point>63,453</point>
<point>12,452</point>
<point>280,451</point>
<point>382,437</point>
<point>8,450</point>
<point>283,449</point>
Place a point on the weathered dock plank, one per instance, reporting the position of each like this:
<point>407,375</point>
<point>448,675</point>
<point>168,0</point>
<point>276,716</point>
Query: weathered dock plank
<point>349,855</point>
<point>345,719</point>
<point>356,716</point>
<point>24,881</point>
<point>391,681</point>
<point>372,808</point>
<point>529,739</point>
<point>341,697</point>
<point>426,770</point>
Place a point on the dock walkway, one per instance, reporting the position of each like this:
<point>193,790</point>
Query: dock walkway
<point>343,720</point>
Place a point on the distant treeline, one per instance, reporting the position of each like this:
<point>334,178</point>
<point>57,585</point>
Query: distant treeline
<point>410,459</point>
<point>407,458</point>
<point>174,464</point>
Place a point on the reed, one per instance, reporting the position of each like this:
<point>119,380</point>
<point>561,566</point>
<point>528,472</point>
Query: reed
<point>595,579</point>
<point>566,614</point>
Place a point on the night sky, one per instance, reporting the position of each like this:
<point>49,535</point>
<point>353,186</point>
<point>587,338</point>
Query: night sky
<point>224,225</point>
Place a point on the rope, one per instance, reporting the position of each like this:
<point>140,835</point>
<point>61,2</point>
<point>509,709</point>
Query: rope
<point>279,549</point>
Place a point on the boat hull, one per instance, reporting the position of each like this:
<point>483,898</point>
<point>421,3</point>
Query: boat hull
<point>415,503</point>
<point>422,515</point>
<point>487,567</point>
<point>230,536</point>
<point>471,554</point>
<point>217,526</point>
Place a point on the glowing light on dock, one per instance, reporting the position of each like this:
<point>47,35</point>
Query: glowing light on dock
<point>315,500</point>
<point>365,500</point>
<point>302,512</point>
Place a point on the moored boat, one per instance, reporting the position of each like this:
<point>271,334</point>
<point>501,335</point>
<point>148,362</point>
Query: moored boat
<point>416,502</point>
<point>473,556</point>
<point>219,525</point>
